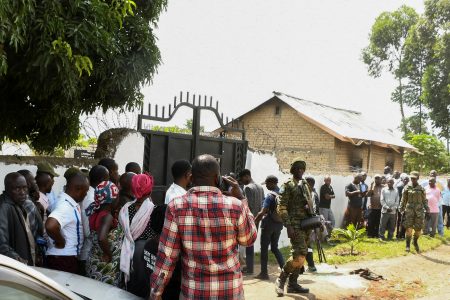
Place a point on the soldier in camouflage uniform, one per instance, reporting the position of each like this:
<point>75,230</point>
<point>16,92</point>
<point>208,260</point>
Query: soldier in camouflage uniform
<point>414,207</point>
<point>295,204</point>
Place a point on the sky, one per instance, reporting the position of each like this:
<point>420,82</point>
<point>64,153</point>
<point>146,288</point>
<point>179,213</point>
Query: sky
<point>238,52</point>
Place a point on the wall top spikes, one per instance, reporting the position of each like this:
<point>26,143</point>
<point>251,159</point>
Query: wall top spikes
<point>197,103</point>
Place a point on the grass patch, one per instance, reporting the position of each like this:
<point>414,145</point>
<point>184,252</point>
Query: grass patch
<point>367,249</point>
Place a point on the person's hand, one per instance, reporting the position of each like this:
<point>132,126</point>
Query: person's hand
<point>290,232</point>
<point>106,258</point>
<point>389,210</point>
<point>154,297</point>
<point>60,244</point>
<point>234,190</point>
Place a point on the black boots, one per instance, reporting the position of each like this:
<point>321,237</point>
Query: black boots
<point>416,245</point>
<point>408,244</point>
<point>293,287</point>
<point>280,282</point>
<point>310,261</point>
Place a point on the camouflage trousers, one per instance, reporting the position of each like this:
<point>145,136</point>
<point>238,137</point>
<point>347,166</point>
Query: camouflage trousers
<point>299,249</point>
<point>413,219</point>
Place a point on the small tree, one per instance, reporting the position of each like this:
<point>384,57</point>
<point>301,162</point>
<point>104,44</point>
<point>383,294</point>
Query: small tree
<point>432,156</point>
<point>351,235</point>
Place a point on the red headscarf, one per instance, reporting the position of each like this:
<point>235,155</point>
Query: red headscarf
<point>141,185</point>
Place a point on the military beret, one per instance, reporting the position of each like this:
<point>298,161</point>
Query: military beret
<point>298,162</point>
<point>45,167</point>
<point>414,174</point>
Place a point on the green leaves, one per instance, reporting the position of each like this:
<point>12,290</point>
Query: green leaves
<point>432,156</point>
<point>351,235</point>
<point>59,59</point>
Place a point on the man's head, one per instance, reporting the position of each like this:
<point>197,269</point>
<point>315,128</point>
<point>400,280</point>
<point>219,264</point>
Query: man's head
<point>432,182</point>
<point>44,182</point>
<point>182,173</point>
<point>405,179</point>
<point>16,187</point>
<point>377,179</point>
<point>387,170</point>
<point>390,182</point>
<point>414,176</point>
<point>433,173</point>
<point>98,174</point>
<point>245,176</point>
<point>311,182</point>
<point>133,167</point>
<point>298,167</point>
<point>70,172</point>
<point>271,182</point>
<point>125,183</point>
<point>396,174</point>
<point>363,176</point>
<point>33,189</point>
<point>357,178</point>
<point>205,171</point>
<point>112,167</point>
<point>327,180</point>
<point>77,187</point>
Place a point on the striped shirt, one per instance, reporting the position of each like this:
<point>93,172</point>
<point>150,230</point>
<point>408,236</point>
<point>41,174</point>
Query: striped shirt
<point>204,228</point>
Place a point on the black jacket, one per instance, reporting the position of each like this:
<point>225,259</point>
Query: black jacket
<point>13,236</point>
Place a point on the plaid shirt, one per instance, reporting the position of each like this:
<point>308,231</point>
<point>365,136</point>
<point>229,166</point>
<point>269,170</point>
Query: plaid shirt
<point>204,227</point>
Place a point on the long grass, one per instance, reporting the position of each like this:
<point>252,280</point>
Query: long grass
<point>368,249</point>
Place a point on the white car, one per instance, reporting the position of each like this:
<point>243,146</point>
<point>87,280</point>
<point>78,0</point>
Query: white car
<point>21,282</point>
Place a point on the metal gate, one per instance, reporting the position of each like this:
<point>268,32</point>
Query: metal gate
<point>162,149</point>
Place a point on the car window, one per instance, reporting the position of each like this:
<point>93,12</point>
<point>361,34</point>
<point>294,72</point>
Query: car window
<point>15,285</point>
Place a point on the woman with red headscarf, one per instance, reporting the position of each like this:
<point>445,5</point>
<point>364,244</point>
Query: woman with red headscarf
<point>134,218</point>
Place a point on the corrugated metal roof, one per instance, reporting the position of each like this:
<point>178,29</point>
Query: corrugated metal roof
<point>345,124</point>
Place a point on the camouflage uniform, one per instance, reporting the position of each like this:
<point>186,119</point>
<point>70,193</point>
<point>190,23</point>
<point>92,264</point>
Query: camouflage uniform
<point>291,209</point>
<point>413,205</point>
<point>295,204</point>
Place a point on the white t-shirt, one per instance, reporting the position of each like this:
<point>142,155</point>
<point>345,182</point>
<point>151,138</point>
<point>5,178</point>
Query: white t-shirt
<point>174,191</point>
<point>68,214</point>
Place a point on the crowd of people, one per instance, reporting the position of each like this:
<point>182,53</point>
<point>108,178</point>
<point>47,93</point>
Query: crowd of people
<point>200,241</point>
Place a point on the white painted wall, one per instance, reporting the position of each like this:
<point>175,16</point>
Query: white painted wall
<point>131,149</point>
<point>8,168</point>
<point>262,165</point>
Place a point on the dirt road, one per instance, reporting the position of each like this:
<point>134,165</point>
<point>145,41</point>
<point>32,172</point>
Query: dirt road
<point>415,276</point>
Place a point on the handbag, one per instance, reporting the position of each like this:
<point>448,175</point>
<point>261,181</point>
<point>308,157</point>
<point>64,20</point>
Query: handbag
<point>311,223</point>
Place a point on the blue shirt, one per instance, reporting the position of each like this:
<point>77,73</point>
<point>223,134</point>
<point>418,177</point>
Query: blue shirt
<point>446,197</point>
<point>269,201</point>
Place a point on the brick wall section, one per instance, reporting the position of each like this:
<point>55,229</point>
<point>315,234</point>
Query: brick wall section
<point>288,135</point>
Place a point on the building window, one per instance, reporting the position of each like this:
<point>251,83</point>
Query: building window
<point>356,160</point>
<point>390,159</point>
<point>277,110</point>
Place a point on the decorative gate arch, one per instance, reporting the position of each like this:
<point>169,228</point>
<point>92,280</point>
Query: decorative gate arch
<point>162,149</point>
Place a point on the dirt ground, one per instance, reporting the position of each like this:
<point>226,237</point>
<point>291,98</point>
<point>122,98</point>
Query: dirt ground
<point>415,276</point>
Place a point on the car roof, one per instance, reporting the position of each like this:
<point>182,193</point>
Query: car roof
<point>22,268</point>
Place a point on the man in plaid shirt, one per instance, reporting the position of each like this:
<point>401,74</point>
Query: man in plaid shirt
<point>204,228</point>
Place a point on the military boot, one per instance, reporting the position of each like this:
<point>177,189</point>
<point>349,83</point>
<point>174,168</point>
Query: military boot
<point>280,282</point>
<point>408,244</point>
<point>293,287</point>
<point>416,245</point>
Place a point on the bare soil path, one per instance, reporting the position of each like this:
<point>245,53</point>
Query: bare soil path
<point>415,276</point>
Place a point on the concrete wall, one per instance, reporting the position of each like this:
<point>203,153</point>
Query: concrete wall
<point>10,164</point>
<point>131,148</point>
<point>261,165</point>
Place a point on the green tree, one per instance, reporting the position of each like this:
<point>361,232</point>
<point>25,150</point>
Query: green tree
<point>59,59</point>
<point>432,156</point>
<point>436,79</point>
<point>415,124</point>
<point>386,49</point>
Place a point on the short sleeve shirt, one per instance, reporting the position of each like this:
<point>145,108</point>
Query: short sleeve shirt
<point>325,189</point>
<point>68,214</point>
<point>353,201</point>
